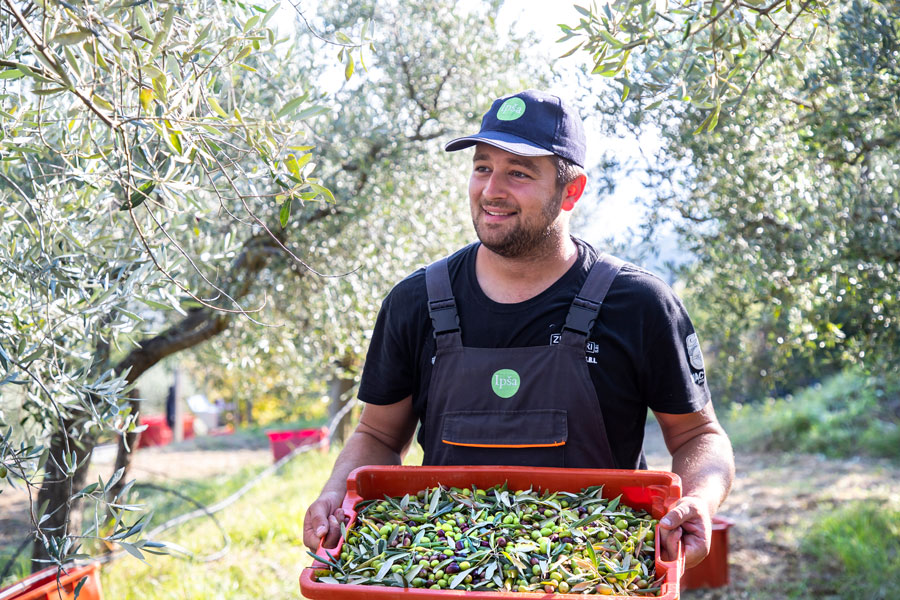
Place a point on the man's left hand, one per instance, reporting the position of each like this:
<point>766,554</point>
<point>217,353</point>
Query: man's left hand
<point>690,522</point>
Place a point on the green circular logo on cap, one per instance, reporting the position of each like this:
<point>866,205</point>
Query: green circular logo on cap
<point>511,110</point>
<point>505,383</point>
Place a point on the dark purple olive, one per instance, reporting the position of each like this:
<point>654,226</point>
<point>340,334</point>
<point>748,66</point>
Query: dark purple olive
<point>501,541</point>
<point>452,568</point>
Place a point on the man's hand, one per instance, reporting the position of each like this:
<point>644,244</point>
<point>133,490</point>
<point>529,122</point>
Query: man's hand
<point>381,438</point>
<point>323,520</point>
<point>690,523</point>
<point>702,457</point>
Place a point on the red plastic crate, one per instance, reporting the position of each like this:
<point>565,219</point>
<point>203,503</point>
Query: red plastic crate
<point>43,585</point>
<point>284,442</point>
<point>653,491</point>
<point>712,572</point>
<point>158,432</point>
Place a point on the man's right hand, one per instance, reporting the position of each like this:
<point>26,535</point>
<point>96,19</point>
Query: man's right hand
<point>381,438</point>
<point>323,520</point>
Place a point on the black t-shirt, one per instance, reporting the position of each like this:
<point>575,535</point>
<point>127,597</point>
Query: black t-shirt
<point>643,352</point>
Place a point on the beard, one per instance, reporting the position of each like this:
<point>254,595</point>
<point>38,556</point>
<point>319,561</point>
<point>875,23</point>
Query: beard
<point>525,239</point>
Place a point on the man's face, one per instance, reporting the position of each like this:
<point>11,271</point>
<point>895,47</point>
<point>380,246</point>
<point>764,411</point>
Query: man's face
<point>514,201</point>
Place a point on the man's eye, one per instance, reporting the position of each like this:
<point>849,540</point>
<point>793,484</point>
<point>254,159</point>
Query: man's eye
<point>520,174</point>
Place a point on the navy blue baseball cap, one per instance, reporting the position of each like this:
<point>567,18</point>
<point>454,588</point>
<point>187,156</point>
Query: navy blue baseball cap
<point>530,123</point>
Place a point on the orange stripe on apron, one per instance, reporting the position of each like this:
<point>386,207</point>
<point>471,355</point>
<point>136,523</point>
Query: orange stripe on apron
<point>550,445</point>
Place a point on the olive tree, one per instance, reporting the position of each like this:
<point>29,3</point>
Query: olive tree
<point>174,175</point>
<point>788,205</point>
<point>400,199</point>
<point>137,144</point>
<point>707,53</point>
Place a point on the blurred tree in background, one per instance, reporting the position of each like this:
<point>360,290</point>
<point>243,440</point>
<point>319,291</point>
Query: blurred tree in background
<point>399,200</point>
<point>784,187</point>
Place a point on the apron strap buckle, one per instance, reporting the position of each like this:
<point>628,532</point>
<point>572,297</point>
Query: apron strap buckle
<point>582,315</point>
<point>444,317</point>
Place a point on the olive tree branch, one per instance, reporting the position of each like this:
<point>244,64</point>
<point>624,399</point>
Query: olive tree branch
<point>769,52</point>
<point>296,6</point>
<point>177,283</point>
<point>719,15</point>
<point>264,226</point>
<point>51,58</point>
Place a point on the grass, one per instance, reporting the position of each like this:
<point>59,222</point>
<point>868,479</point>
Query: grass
<point>266,531</point>
<point>20,569</point>
<point>847,415</point>
<point>856,551</point>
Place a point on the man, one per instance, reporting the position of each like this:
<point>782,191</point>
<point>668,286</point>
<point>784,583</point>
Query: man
<point>503,354</point>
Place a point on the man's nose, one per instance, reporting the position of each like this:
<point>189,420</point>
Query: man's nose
<point>494,188</point>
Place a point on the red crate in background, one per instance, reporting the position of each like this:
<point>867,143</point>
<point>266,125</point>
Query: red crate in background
<point>712,572</point>
<point>284,442</point>
<point>653,491</point>
<point>158,432</point>
<point>43,585</point>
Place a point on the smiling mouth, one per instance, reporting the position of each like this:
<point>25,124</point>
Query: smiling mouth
<point>498,213</point>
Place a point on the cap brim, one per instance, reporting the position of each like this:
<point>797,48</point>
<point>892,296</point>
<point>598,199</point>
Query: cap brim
<point>504,141</point>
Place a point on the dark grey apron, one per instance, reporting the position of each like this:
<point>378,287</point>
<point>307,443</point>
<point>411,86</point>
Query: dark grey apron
<point>532,406</point>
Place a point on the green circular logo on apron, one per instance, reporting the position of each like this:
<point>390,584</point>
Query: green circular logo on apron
<point>505,383</point>
<point>511,110</point>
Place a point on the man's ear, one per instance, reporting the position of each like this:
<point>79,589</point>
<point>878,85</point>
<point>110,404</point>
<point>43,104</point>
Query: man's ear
<point>574,190</point>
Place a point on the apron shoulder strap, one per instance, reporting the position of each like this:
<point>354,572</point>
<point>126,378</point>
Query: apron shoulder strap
<point>586,305</point>
<point>441,304</point>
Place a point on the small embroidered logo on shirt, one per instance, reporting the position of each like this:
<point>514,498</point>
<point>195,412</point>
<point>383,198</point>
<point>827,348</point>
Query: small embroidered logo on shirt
<point>505,383</point>
<point>693,350</point>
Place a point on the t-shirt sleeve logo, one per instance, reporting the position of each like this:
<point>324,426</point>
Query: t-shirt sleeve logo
<point>695,355</point>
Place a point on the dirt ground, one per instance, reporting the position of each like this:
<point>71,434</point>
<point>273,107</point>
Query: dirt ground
<point>770,502</point>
